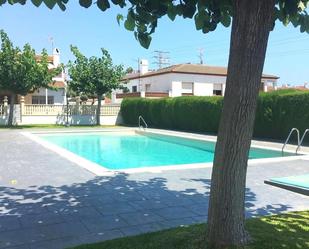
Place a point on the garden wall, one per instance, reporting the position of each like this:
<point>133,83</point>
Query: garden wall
<point>60,114</point>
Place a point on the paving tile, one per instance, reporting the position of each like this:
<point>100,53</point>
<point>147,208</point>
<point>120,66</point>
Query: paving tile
<point>56,243</point>
<point>131,230</point>
<point>20,237</point>
<point>19,247</point>
<point>95,200</point>
<point>40,219</point>
<point>178,201</point>
<point>148,204</point>
<point>65,207</point>
<point>124,196</point>
<point>9,223</point>
<point>104,223</point>
<point>61,230</point>
<point>100,236</point>
<point>198,209</point>
<point>174,212</point>
<point>78,213</point>
<point>200,218</point>
<point>140,217</point>
<point>24,209</point>
<point>151,227</point>
<point>156,194</point>
<point>115,208</point>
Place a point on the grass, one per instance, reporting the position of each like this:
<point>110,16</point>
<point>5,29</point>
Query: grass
<point>289,231</point>
<point>53,126</point>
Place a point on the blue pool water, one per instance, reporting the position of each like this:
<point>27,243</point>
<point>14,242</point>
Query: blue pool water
<point>123,151</point>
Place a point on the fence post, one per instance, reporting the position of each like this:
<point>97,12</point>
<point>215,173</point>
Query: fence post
<point>77,108</point>
<point>113,97</point>
<point>22,106</point>
<point>5,105</point>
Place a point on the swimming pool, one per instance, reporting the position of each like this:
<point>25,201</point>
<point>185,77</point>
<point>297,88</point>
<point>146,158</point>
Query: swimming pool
<point>119,151</point>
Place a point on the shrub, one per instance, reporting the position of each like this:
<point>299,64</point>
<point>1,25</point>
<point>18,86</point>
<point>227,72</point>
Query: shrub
<point>277,112</point>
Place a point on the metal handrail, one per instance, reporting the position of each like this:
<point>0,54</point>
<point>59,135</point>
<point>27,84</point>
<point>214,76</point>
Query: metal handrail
<point>301,140</point>
<point>288,138</point>
<point>140,118</point>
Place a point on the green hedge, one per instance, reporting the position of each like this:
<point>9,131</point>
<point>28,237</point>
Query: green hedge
<point>277,113</point>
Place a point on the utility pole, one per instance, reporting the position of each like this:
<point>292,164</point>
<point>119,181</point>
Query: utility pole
<point>162,58</point>
<point>51,40</point>
<point>201,55</point>
<point>138,60</point>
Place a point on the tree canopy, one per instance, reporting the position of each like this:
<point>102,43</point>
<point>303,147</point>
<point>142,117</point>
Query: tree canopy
<point>94,76</point>
<point>142,17</point>
<point>22,71</point>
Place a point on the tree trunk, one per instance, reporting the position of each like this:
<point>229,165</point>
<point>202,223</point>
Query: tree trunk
<point>11,110</point>
<point>99,109</point>
<point>252,23</point>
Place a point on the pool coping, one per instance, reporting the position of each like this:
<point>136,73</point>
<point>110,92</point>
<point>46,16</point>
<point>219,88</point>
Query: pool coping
<point>100,170</point>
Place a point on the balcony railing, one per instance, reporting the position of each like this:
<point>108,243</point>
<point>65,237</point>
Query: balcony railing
<point>139,94</point>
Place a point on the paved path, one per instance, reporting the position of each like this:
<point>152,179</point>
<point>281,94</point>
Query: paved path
<point>48,202</point>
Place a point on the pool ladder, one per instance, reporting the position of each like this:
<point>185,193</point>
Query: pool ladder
<point>299,141</point>
<point>140,120</point>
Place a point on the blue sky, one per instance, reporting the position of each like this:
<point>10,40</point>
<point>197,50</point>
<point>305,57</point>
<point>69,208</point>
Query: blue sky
<point>90,29</point>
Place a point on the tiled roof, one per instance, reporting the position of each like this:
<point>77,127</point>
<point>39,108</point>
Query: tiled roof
<point>58,84</point>
<point>190,69</point>
<point>50,58</point>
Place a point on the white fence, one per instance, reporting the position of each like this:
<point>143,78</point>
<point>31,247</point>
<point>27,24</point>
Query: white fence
<point>54,110</point>
<point>61,114</point>
<point>2,110</point>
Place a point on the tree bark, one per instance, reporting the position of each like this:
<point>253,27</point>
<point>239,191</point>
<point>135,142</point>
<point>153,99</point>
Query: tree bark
<point>252,23</point>
<point>99,109</point>
<point>11,110</point>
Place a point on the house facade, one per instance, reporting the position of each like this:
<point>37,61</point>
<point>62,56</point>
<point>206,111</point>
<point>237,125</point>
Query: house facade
<point>180,80</point>
<point>43,95</point>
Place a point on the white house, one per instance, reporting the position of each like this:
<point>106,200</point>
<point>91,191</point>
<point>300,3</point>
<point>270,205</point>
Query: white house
<point>46,96</point>
<point>42,95</point>
<point>180,80</point>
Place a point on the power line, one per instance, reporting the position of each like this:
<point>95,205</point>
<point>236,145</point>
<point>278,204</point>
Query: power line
<point>201,55</point>
<point>162,58</point>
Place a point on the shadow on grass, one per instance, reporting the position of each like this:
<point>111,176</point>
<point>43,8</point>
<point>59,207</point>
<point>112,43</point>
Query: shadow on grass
<point>289,230</point>
<point>96,204</point>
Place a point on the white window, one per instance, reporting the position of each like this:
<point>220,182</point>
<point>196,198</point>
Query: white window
<point>41,100</point>
<point>147,87</point>
<point>187,88</point>
<point>217,90</point>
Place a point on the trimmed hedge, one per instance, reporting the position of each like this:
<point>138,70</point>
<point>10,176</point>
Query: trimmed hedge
<point>277,113</point>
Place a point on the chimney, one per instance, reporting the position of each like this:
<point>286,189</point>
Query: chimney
<point>143,66</point>
<point>56,57</point>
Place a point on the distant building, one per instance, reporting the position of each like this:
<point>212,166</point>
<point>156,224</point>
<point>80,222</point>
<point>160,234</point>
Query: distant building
<point>180,80</point>
<point>303,87</point>
<point>43,95</point>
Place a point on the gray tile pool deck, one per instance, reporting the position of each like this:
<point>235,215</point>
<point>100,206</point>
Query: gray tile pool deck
<point>47,201</point>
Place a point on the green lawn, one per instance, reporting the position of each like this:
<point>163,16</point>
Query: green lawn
<point>52,126</point>
<point>289,231</point>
